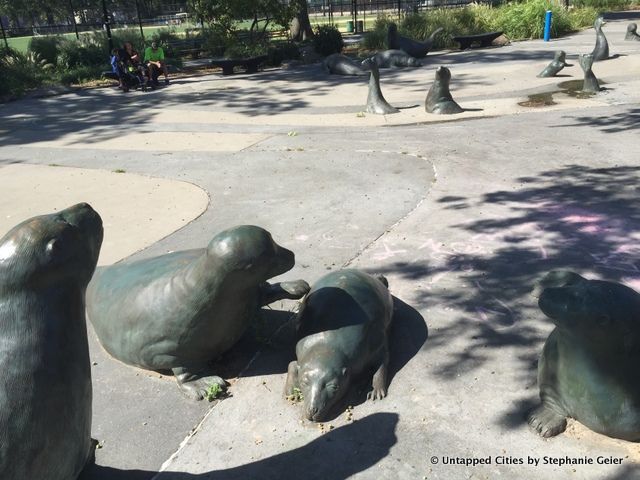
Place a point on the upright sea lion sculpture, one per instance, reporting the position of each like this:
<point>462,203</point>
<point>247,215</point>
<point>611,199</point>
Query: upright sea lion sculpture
<point>557,64</point>
<point>46,263</point>
<point>416,49</point>
<point>343,328</point>
<point>181,310</point>
<point>601,50</point>
<point>395,58</point>
<point>590,81</point>
<point>632,33</point>
<point>339,64</point>
<point>588,369</point>
<point>375,100</point>
<point>439,99</point>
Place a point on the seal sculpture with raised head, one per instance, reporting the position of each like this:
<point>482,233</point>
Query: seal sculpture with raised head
<point>46,263</point>
<point>376,102</point>
<point>588,369</point>
<point>182,310</point>
<point>395,58</point>
<point>590,83</point>
<point>557,64</point>
<point>632,33</point>
<point>415,48</point>
<point>340,64</point>
<point>439,99</point>
<point>343,326</point>
<point>601,50</point>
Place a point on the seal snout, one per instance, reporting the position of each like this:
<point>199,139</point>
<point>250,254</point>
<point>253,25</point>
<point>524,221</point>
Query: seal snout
<point>82,216</point>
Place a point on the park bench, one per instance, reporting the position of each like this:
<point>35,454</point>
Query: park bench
<point>250,64</point>
<point>484,39</point>
<point>191,47</point>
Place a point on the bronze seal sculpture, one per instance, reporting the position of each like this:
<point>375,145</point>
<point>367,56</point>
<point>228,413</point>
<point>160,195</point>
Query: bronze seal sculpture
<point>557,64</point>
<point>395,58</point>
<point>339,64</point>
<point>632,33</point>
<point>376,102</point>
<point>588,369</point>
<point>601,50</point>
<point>439,99</point>
<point>46,263</point>
<point>590,83</point>
<point>343,328</point>
<point>416,49</point>
<point>182,310</point>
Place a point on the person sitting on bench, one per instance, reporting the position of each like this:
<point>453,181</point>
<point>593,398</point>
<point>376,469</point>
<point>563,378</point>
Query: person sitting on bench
<point>154,60</point>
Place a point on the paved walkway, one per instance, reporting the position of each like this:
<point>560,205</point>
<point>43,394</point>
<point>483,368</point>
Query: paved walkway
<point>462,216</point>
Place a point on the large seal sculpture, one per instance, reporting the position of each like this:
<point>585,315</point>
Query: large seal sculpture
<point>46,263</point>
<point>339,64</point>
<point>376,102</point>
<point>590,83</point>
<point>601,50</point>
<point>395,58</point>
<point>557,64</point>
<point>416,49</point>
<point>343,328</point>
<point>439,99</point>
<point>182,310</point>
<point>588,369</point>
<point>632,33</point>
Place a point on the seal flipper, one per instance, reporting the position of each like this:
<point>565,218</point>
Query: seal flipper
<point>194,383</point>
<point>292,379</point>
<point>547,422</point>
<point>379,381</point>
<point>293,290</point>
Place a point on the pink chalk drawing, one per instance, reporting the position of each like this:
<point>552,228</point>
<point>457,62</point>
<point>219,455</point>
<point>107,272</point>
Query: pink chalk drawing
<point>387,253</point>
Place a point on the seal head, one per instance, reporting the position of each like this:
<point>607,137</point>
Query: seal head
<point>45,398</point>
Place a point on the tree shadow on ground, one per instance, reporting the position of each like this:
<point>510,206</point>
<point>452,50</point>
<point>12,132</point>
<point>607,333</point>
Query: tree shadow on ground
<point>573,217</point>
<point>336,455</point>
<point>620,122</point>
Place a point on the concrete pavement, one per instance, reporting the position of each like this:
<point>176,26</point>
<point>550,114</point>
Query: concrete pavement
<point>461,216</point>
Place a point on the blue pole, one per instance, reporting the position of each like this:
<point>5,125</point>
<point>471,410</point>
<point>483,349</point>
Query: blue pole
<point>547,26</point>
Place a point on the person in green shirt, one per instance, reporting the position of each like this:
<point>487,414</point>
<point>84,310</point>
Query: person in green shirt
<point>154,60</point>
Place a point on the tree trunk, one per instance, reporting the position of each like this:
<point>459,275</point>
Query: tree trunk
<point>301,26</point>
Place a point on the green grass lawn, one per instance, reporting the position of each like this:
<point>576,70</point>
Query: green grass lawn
<point>21,44</point>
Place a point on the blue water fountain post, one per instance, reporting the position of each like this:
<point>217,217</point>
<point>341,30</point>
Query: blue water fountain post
<point>547,26</point>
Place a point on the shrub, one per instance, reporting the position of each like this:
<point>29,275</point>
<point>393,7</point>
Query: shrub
<point>526,19</point>
<point>45,48</point>
<point>19,72</point>
<point>245,50</point>
<point>582,17</point>
<point>90,51</point>
<point>327,40</point>
<point>283,51</point>
<point>376,39</point>
<point>80,74</point>
<point>603,4</point>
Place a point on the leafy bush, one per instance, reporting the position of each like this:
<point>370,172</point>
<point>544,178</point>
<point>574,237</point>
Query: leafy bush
<point>327,40</point>
<point>376,39</point>
<point>245,50</point>
<point>20,72</point>
<point>603,4</point>
<point>46,48</point>
<point>80,74</point>
<point>90,51</point>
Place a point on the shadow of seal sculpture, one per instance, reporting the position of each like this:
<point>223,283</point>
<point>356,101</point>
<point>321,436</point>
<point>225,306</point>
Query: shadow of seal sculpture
<point>439,99</point>
<point>375,100</point>
<point>588,369</point>
<point>590,83</point>
<point>557,64</point>
<point>343,326</point>
<point>601,50</point>
<point>632,33</point>
<point>46,263</point>
<point>338,64</point>
<point>182,310</point>
<point>395,59</point>
<point>416,49</point>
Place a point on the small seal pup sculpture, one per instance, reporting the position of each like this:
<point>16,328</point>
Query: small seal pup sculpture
<point>395,58</point>
<point>557,64</point>
<point>601,50</point>
<point>588,369</point>
<point>181,310</point>
<point>343,328</point>
<point>416,49</point>
<point>590,81</point>
<point>339,64</point>
<point>375,100</point>
<point>632,34</point>
<point>46,263</point>
<point>439,99</point>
